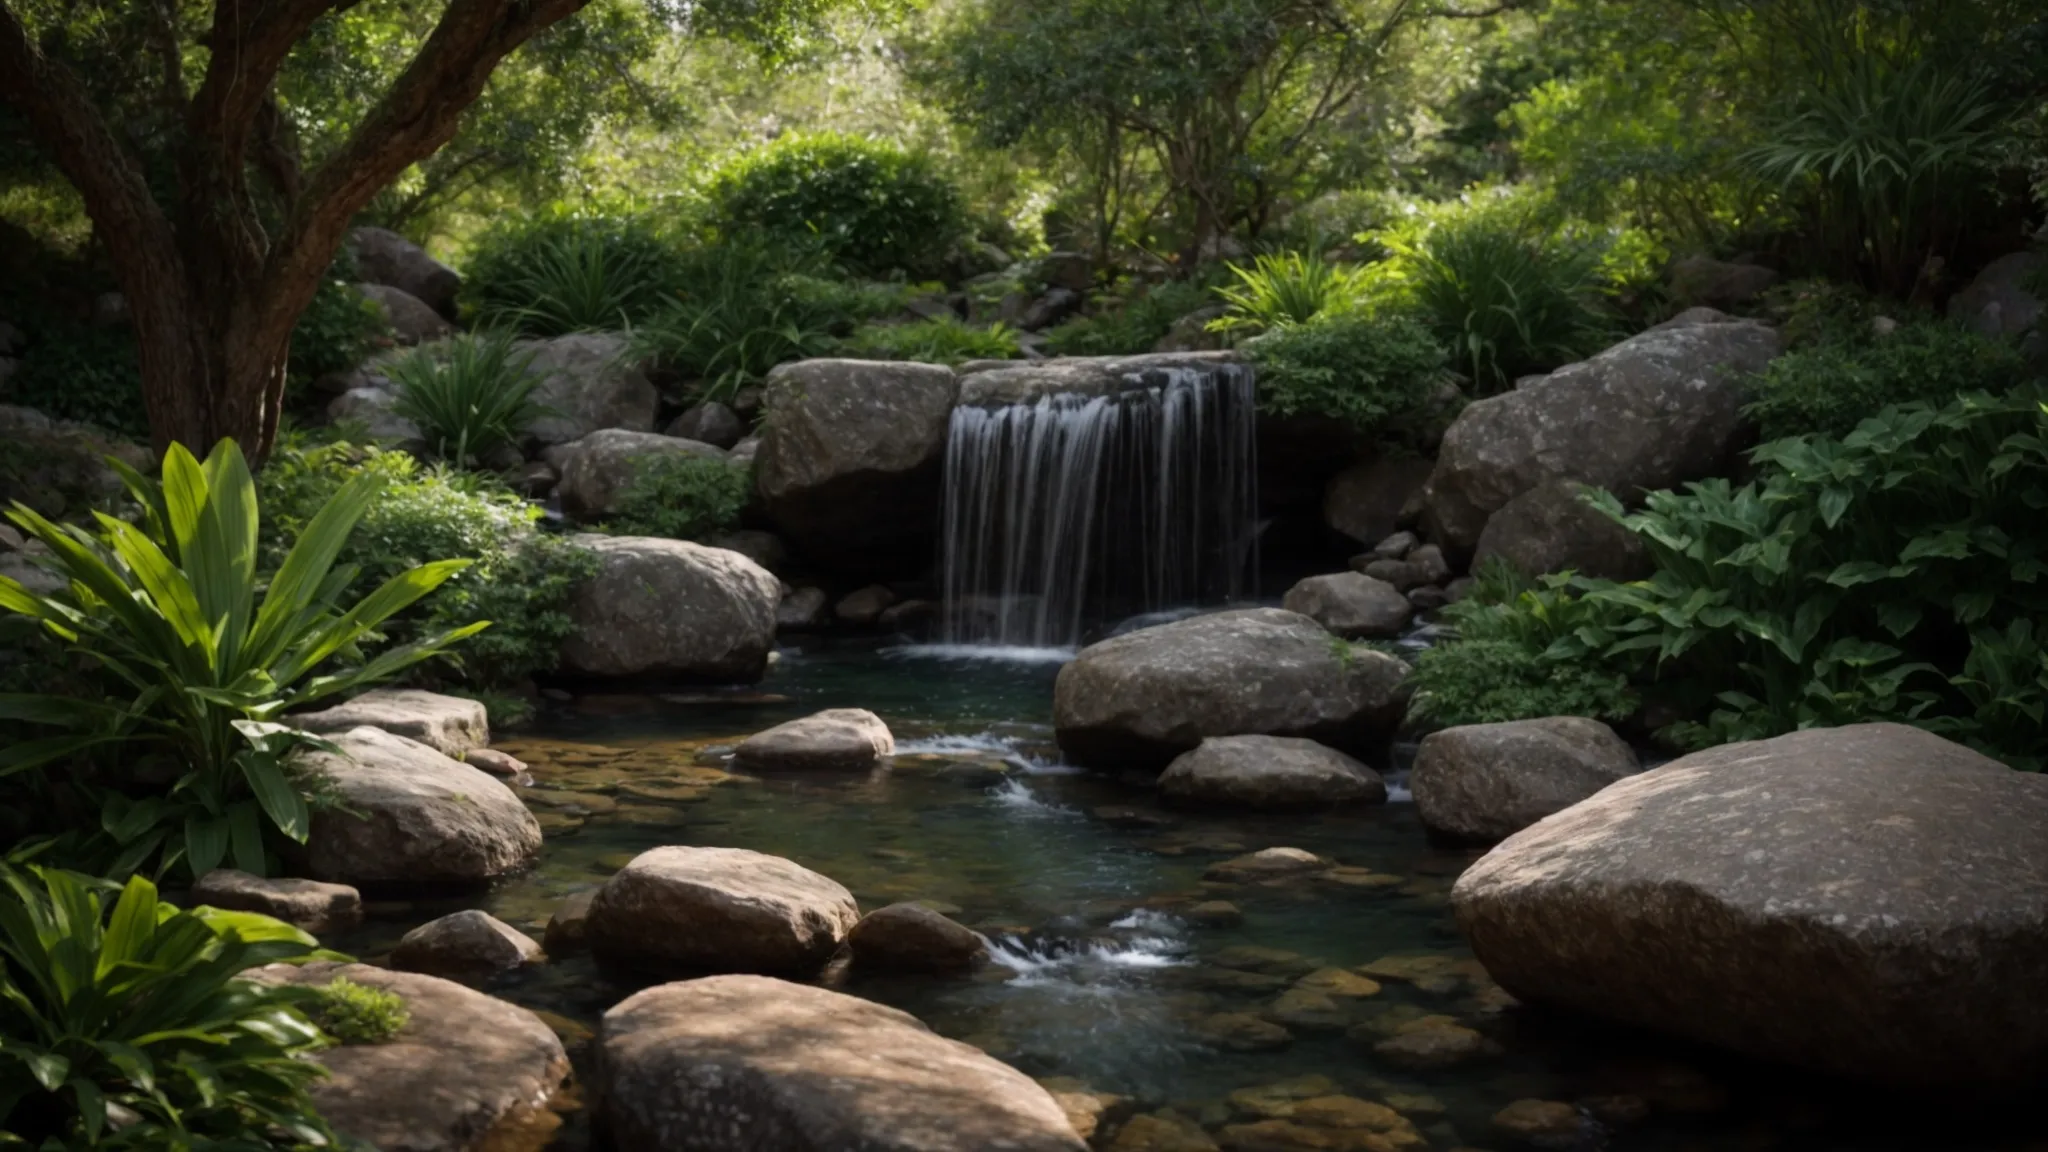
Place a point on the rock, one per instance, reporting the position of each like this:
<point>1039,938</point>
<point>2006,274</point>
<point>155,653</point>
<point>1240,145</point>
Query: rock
<point>1542,1124</point>
<point>1056,305</point>
<point>748,1062</point>
<point>1264,772</point>
<point>908,616</point>
<point>375,411</point>
<point>1651,412</point>
<point>1216,914</point>
<point>1242,1032</point>
<point>60,468</point>
<point>501,764</point>
<point>1866,901</point>
<point>1351,605</point>
<point>1704,280</point>
<point>913,938</point>
<point>1430,558</point>
<point>1267,864</point>
<point>410,319</point>
<point>23,569</point>
<point>1086,1109</point>
<point>1551,528</point>
<point>1400,575</point>
<point>1140,699</point>
<point>603,466</point>
<point>1340,983</point>
<point>449,725</point>
<point>719,910</point>
<point>1428,598</point>
<point>1396,547</point>
<point>802,611</point>
<point>1366,501</point>
<point>469,944</point>
<point>1191,332</point>
<point>308,904</point>
<point>835,740</point>
<point>407,814</point>
<point>566,930</point>
<point>865,606</point>
<point>709,423</point>
<point>745,451</point>
<point>848,469</point>
<point>589,383</point>
<point>1999,302</point>
<point>674,609</point>
<point>1691,317</point>
<point>385,257</point>
<point>1151,1132</point>
<point>1433,1043</point>
<point>763,548</point>
<point>1482,783</point>
<point>466,1072</point>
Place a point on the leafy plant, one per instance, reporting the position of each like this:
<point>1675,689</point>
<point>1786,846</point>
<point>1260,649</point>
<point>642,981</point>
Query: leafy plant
<point>353,1013</point>
<point>1524,650</point>
<point>1288,288</point>
<point>1134,328</point>
<point>682,498</point>
<point>875,207</point>
<point>1371,373</point>
<point>130,1027</point>
<point>73,371</point>
<point>338,328</point>
<point>1830,387</point>
<point>557,274</point>
<point>471,396</point>
<point>946,340</point>
<point>206,658</point>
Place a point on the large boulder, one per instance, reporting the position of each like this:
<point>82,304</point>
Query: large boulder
<point>1481,783</point>
<point>837,739</point>
<point>411,320</point>
<point>1351,605</point>
<point>1551,528</point>
<point>1869,901</point>
<point>449,725</point>
<point>848,468</point>
<point>589,381</point>
<point>406,814</point>
<point>1651,412</point>
<point>1702,280</point>
<point>604,464</point>
<point>1367,501</point>
<point>719,910</point>
<point>1145,697</point>
<point>746,1062</point>
<point>385,257</point>
<point>670,608</point>
<point>1269,772</point>
<point>2000,302</point>
<point>467,1072</point>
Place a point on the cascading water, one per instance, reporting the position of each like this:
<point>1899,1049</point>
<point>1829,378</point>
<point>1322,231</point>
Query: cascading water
<point>1065,509</point>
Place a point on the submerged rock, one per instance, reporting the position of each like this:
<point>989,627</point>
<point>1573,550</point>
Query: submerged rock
<point>467,945</point>
<point>409,815</point>
<point>1263,772</point>
<point>1868,901</point>
<point>307,904</point>
<point>668,608</point>
<point>1351,605</point>
<point>719,910</point>
<point>449,725</point>
<point>748,1062</point>
<point>837,739</point>
<point>913,938</point>
<point>1482,783</point>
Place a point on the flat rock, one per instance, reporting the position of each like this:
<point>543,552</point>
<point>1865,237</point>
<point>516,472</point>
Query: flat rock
<point>408,814</point>
<point>308,904</point>
<point>1262,772</point>
<point>1482,783</point>
<point>837,739</point>
<point>719,910</point>
<point>449,725</point>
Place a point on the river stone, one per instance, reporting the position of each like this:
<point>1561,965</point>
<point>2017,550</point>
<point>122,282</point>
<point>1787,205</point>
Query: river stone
<point>864,606</point>
<point>837,739</point>
<point>603,465</point>
<point>730,1063</point>
<point>568,924</point>
<point>589,382</point>
<point>466,1071</point>
<point>449,725</point>
<point>1551,528</point>
<point>913,938</point>
<point>1868,901</point>
<point>804,610</point>
<point>469,944</point>
<point>1352,605</point>
<point>710,423</point>
<point>385,257</point>
<point>1262,772</point>
<point>719,910</point>
<point>848,469</point>
<point>1141,699</point>
<point>308,904</point>
<point>1366,501</point>
<point>669,608</point>
<point>1651,412</point>
<point>406,814</point>
<point>1481,783</point>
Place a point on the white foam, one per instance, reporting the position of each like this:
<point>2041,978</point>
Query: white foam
<point>1036,964</point>
<point>1015,795</point>
<point>1148,919</point>
<point>982,743</point>
<point>995,653</point>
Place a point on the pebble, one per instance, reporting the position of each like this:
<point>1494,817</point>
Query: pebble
<point>1216,914</point>
<point>1339,982</point>
<point>1433,1043</point>
<point>1161,1132</point>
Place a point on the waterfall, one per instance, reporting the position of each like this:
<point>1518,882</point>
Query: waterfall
<point>1075,496</point>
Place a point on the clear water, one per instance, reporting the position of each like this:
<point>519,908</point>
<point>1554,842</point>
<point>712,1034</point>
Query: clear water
<point>1084,887</point>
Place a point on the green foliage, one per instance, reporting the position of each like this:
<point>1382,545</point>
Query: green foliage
<point>1132,329</point>
<point>337,330</point>
<point>471,396</point>
<point>558,273</point>
<point>73,371</point>
<point>1829,388</point>
<point>1288,288</point>
<point>352,1013</point>
<point>140,1007</point>
<point>682,498</point>
<point>1523,651</point>
<point>203,667</point>
<point>945,340</point>
<point>1815,311</point>
<point>875,207</point>
<point>1373,373</point>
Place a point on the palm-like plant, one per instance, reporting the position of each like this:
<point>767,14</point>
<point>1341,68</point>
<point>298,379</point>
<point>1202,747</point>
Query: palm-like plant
<point>1283,289</point>
<point>206,657</point>
<point>129,1028</point>
<point>471,396</point>
<point>582,280</point>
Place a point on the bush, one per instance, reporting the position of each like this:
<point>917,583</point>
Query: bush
<point>1133,329</point>
<point>350,1013</point>
<point>876,208</point>
<point>1523,650</point>
<point>471,396</point>
<point>73,371</point>
<point>946,340</point>
<point>1830,387</point>
<point>142,1007</point>
<point>551,275</point>
<point>1288,288</point>
<point>1374,374</point>
<point>682,498</point>
<point>337,330</point>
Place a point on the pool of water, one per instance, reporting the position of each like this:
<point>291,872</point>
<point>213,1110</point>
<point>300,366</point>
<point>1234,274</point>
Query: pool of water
<point>1110,969</point>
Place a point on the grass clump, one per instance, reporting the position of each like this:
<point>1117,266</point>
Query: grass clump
<point>945,340</point>
<point>352,1013</point>
<point>472,396</point>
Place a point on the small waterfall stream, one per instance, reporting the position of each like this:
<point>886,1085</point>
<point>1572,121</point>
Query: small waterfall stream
<point>1065,509</point>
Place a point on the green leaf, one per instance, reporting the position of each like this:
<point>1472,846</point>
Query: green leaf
<point>206,843</point>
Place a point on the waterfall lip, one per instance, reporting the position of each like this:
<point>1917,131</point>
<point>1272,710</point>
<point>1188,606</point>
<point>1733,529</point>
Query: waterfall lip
<point>1082,377</point>
<point>993,653</point>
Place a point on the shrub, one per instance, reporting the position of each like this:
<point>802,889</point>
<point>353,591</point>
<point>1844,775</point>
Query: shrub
<point>471,396</point>
<point>876,208</point>
<point>946,340</point>
<point>73,371</point>
<point>337,330</point>
<point>141,1007</point>
<point>1830,387</point>
<point>556,274</point>
<point>1134,328</point>
<point>351,1013</point>
<point>1288,288</point>
<point>1372,373</point>
<point>1524,650</point>
<point>682,498</point>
